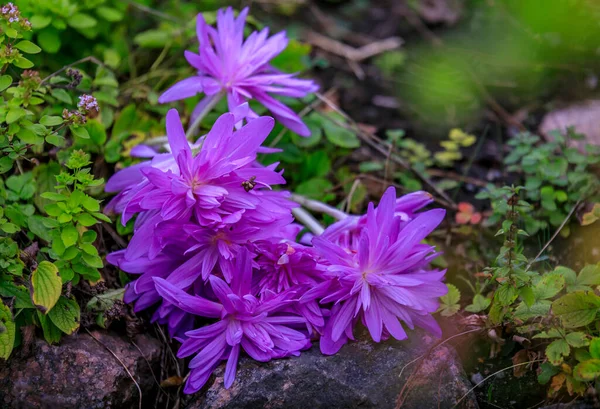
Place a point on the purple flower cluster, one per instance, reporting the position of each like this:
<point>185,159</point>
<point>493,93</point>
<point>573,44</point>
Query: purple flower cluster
<point>229,65</point>
<point>214,246</point>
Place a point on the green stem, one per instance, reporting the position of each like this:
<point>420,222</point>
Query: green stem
<point>214,99</point>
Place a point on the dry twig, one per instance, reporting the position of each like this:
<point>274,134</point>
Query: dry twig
<point>351,53</point>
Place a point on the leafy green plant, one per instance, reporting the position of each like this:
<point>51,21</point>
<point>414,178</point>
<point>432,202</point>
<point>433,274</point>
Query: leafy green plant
<point>556,177</point>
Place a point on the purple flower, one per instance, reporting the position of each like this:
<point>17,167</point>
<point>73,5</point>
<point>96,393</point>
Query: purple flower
<point>211,186</point>
<point>346,232</point>
<point>284,264</point>
<point>87,103</point>
<point>228,64</point>
<point>259,326</point>
<point>383,279</point>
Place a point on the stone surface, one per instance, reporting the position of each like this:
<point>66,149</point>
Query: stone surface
<point>79,373</point>
<point>362,375</point>
<point>584,116</point>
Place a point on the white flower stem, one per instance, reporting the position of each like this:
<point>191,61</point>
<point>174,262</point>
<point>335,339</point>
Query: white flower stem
<point>317,206</point>
<point>308,221</point>
<point>214,100</point>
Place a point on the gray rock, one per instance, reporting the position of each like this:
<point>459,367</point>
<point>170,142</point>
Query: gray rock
<point>79,373</point>
<point>362,375</point>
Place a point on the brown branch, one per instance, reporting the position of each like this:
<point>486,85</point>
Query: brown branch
<point>351,53</point>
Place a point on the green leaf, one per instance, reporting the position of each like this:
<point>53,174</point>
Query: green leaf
<point>86,219</point>
<point>577,339</point>
<point>51,333</point>
<point>79,131</point>
<point>153,38</point>
<point>595,348</point>
<point>65,315</point>
<point>82,21</point>
<point>316,188</point>
<point>587,370</point>
<point>38,22</point>
<point>538,309</point>
<point>49,40</point>
<point>69,235</point>
<point>576,309</point>
<point>11,32</point>
<point>313,122</point>
<point>47,120</point>
<point>9,228</point>
<point>62,95</point>
<point>20,293</point>
<point>339,136</point>
<point>450,301</point>
<point>46,286</point>
<point>56,197</point>
<point>557,350</point>
<point>550,285</point>
<point>5,82</point>
<point>89,249</point>
<point>589,275</point>
<point>480,303</point>
<point>36,225</point>
<point>7,331</point>
<point>527,295</point>
<point>109,14</point>
<point>14,114</point>
<point>23,62</point>
<point>547,372</point>
<point>28,47</point>
<point>92,260</point>
<point>506,294</point>
<point>90,204</point>
<point>96,131</point>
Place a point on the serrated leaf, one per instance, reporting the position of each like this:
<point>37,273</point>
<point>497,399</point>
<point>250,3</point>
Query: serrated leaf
<point>450,302</point>
<point>577,339</point>
<point>7,331</point>
<point>46,286</point>
<point>65,315</point>
<point>587,370</point>
<point>576,309</point>
<point>557,350</point>
<point>480,303</point>
<point>506,294</point>
<point>549,285</point>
